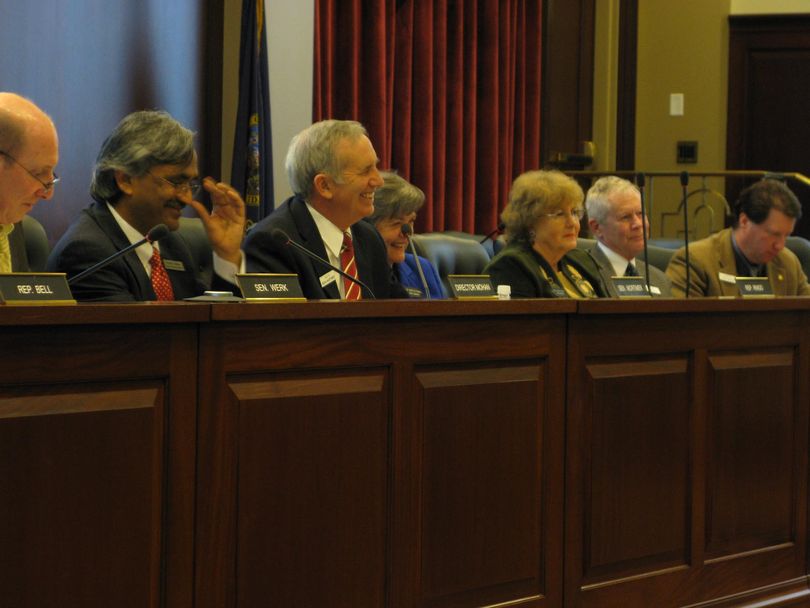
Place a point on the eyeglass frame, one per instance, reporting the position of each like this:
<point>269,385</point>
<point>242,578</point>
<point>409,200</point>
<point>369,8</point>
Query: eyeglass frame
<point>46,186</point>
<point>577,212</point>
<point>193,185</point>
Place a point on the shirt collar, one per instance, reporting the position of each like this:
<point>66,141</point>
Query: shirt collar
<point>133,236</point>
<point>331,235</point>
<point>619,262</point>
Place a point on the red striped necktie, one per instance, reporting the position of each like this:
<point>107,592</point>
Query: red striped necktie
<point>349,266</point>
<point>160,278</point>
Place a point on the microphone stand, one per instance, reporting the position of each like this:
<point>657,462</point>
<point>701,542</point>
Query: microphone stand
<point>684,184</point>
<point>640,180</point>
<point>408,231</point>
<point>155,234</point>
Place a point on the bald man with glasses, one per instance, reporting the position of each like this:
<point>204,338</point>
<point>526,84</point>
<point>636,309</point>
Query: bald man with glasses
<point>145,175</point>
<point>29,151</point>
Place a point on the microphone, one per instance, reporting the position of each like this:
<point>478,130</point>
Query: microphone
<point>155,234</point>
<point>283,239</point>
<point>497,230</point>
<point>684,184</point>
<point>408,231</point>
<point>640,181</point>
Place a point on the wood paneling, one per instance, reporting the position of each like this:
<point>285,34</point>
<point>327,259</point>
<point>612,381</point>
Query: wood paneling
<point>95,508</point>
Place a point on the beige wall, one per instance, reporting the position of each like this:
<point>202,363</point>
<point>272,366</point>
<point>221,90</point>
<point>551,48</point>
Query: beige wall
<point>682,48</point>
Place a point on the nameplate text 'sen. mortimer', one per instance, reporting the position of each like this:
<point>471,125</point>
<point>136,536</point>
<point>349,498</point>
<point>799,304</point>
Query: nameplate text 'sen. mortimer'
<point>631,287</point>
<point>471,287</point>
<point>263,287</point>
<point>43,288</point>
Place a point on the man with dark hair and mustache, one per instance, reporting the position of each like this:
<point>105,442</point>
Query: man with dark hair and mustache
<point>145,174</point>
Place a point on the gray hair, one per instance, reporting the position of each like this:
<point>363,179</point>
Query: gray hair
<point>597,201</point>
<point>312,151</point>
<point>142,140</point>
<point>396,198</point>
<point>533,194</point>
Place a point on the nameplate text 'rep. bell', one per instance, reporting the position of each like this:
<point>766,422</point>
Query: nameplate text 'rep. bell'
<point>471,287</point>
<point>631,287</point>
<point>35,288</point>
<point>755,287</point>
<point>262,287</point>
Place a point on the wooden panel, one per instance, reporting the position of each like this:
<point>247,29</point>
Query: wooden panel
<point>481,506</point>
<point>97,445</point>
<point>768,81</point>
<point>751,480</point>
<point>312,484</point>
<point>637,482</point>
<point>685,437</point>
<point>82,483</point>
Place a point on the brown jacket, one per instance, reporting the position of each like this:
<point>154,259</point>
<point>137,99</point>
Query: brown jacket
<point>714,256</point>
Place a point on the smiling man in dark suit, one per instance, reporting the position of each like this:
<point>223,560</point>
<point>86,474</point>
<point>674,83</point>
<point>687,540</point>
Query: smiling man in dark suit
<point>332,168</point>
<point>145,174</point>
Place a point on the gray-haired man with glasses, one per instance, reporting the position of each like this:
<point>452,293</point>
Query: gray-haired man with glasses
<point>29,151</point>
<point>145,174</point>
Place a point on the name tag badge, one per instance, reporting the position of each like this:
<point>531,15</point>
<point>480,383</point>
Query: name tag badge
<point>656,291</point>
<point>727,278</point>
<point>173,265</point>
<point>329,277</point>
<point>265,287</point>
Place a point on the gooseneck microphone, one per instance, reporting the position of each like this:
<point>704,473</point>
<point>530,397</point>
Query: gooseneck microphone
<point>684,184</point>
<point>640,182</point>
<point>408,231</point>
<point>498,230</point>
<point>283,239</point>
<point>155,234</point>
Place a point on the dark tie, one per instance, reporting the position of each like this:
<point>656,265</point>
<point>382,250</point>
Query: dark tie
<point>160,278</point>
<point>631,271</point>
<point>347,263</point>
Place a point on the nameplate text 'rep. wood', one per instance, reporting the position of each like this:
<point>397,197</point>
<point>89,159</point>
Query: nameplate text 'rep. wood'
<point>35,288</point>
<point>261,287</point>
<point>631,287</point>
<point>471,287</point>
<point>755,287</point>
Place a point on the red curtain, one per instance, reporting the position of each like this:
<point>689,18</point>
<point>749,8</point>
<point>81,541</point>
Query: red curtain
<point>448,90</point>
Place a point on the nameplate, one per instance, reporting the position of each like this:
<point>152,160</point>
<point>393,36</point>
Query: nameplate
<point>471,286</point>
<point>755,287</point>
<point>631,287</point>
<point>261,287</point>
<point>35,288</point>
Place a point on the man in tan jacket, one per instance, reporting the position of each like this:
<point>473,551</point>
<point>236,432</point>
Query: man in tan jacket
<point>765,215</point>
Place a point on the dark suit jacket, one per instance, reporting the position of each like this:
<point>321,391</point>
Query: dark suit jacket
<point>264,254</point>
<point>657,277</point>
<point>530,276</point>
<point>16,242</point>
<point>95,235</point>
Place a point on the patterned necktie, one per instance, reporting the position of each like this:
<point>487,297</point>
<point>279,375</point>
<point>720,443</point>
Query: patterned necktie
<point>5,251</point>
<point>160,278</point>
<point>349,266</point>
<point>631,271</point>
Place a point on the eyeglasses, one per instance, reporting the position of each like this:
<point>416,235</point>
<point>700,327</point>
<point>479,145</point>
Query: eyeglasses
<point>192,185</point>
<point>577,213</point>
<point>46,186</point>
